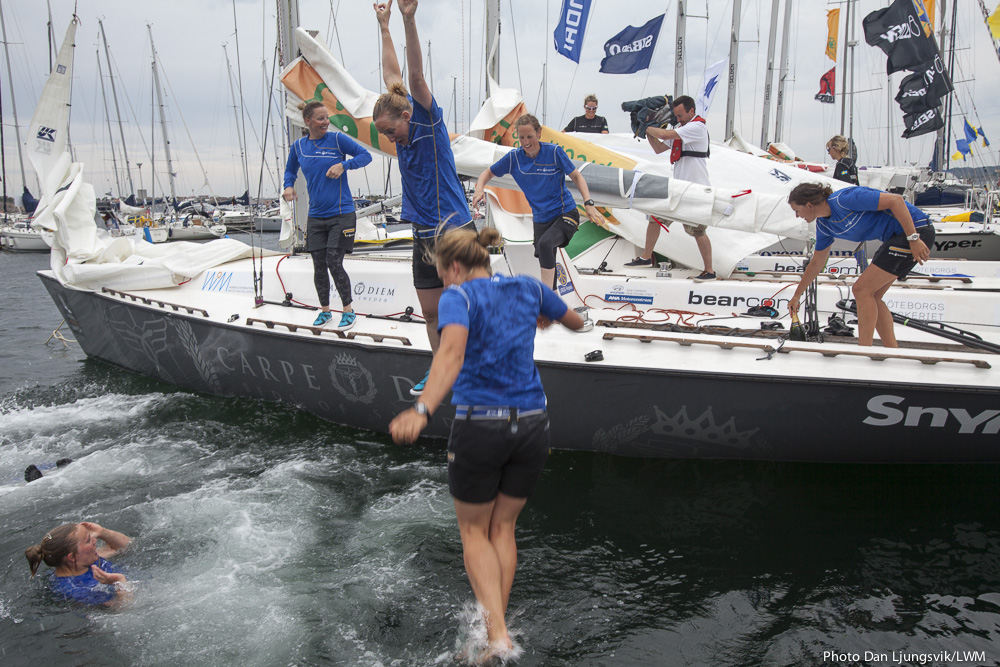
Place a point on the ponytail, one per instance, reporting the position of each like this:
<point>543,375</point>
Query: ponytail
<point>394,102</point>
<point>54,547</point>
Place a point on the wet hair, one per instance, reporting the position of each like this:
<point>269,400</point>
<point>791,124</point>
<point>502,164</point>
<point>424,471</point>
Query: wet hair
<point>590,98</point>
<point>684,100</point>
<point>528,119</point>
<point>465,246</point>
<point>393,102</point>
<point>809,193</point>
<point>309,107</point>
<point>56,545</point>
<point>838,142</point>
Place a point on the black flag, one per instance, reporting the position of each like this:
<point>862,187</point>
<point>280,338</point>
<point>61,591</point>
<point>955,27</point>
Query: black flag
<point>922,123</point>
<point>924,89</point>
<point>903,31</point>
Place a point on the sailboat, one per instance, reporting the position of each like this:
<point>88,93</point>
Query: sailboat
<point>666,370</point>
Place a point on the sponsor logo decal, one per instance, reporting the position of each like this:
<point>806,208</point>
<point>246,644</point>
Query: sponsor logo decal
<point>46,134</point>
<point>917,308</point>
<point>942,246</point>
<point>889,410</point>
<point>373,292</point>
<point>563,284</point>
<point>730,300</point>
<point>780,175</point>
<point>227,282</point>
<point>623,293</point>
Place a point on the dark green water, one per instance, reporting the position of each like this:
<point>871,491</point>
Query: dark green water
<point>264,536</point>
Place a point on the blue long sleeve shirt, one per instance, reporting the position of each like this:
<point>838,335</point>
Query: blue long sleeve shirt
<point>327,196</point>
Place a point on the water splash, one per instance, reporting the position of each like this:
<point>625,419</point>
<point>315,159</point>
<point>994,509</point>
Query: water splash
<point>472,645</point>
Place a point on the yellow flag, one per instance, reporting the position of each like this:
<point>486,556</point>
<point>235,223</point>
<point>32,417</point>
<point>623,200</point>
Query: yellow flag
<point>833,25</point>
<point>929,6</point>
<point>994,22</point>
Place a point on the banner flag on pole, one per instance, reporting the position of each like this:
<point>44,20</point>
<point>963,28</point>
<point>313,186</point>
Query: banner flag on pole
<point>568,36</point>
<point>903,31</point>
<point>924,89</point>
<point>827,87</point>
<point>631,50</point>
<point>970,132</point>
<point>922,123</point>
<point>709,84</point>
<point>833,31</point>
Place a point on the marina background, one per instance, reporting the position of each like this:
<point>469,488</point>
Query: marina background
<point>266,536</point>
<point>189,35</point>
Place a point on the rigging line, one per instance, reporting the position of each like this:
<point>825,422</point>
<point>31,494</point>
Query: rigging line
<point>263,156</point>
<point>517,58</point>
<point>562,115</point>
<point>239,77</point>
<point>649,69</point>
<point>333,15</point>
<point>194,147</point>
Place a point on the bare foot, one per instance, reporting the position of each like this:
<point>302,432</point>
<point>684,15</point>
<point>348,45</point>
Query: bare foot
<point>502,649</point>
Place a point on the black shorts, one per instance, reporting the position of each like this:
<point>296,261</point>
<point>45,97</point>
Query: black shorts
<point>425,274</point>
<point>334,232</point>
<point>894,255</point>
<point>489,456</point>
<point>557,232</point>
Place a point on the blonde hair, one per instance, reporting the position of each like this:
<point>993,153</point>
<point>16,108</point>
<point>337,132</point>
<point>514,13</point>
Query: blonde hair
<point>838,142</point>
<point>394,102</point>
<point>590,98</point>
<point>465,246</point>
<point>528,119</point>
<point>56,545</point>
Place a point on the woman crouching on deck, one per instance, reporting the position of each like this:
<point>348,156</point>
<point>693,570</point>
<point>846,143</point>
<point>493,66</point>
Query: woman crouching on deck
<point>500,436</point>
<point>864,214</point>
<point>82,572</point>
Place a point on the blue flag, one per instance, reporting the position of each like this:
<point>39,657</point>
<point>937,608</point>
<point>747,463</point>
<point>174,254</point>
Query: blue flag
<point>631,50</point>
<point>970,133</point>
<point>568,36</point>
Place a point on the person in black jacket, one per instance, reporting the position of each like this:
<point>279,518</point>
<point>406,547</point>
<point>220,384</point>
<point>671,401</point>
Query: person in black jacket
<point>589,121</point>
<point>845,169</point>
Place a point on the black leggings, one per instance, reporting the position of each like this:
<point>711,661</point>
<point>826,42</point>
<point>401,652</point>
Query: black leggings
<point>332,260</point>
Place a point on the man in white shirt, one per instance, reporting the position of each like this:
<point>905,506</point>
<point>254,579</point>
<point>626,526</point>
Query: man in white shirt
<point>689,151</point>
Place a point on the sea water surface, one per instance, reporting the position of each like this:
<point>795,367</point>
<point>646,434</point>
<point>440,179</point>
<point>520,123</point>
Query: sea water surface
<point>265,536</point>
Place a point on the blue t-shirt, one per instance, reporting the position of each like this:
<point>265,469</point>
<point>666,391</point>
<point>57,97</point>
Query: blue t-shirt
<point>431,189</point>
<point>854,216</point>
<point>327,196</point>
<point>500,314</point>
<point>83,587</point>
<point>542,179</point>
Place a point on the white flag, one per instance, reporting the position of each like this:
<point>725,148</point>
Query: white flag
<point>709,84</point>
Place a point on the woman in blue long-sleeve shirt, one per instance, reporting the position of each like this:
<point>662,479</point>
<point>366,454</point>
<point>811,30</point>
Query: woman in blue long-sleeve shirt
<point>323,158</point>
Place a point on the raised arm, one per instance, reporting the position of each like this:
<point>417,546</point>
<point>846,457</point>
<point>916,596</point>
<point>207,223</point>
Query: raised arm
<point>390,64</point>
<point>114,540</point>
<point>658,135</point>
<point>419,90</point>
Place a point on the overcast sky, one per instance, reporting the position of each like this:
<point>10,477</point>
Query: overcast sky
<point>189,37</point>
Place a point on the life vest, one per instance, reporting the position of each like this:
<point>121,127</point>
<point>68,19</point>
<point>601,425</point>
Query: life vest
<point>677,149</point>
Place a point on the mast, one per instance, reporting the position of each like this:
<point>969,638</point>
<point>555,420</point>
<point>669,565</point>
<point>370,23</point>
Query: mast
<point>13,103</point>
<point>843,71</point>
<point>163,122</point>
<point>152,148</point>
<point>236,114</point>
<point>492,37</point>
<point>852,44</point>
<point>679,51</point>
<point>114,95</point>
<point>769,75</point>
<point>779,110</point>
<point>52,36</point>
<point>734,55</point>
<point>107,116</point>
<point>951,68</point>
<point>941,142</point>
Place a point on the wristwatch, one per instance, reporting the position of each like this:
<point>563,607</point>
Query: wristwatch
<point>589,202</point>
<point>913,237</point>
<point>421,410</point>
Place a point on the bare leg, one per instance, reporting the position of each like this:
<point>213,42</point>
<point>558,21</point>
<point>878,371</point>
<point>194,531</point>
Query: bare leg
<point>705,248</point>
<point>548,277</point>
<point>502,524</point>
<point>652,235</point>
<point>482,564</point>
<point>868,292</point>
<point>428,299</point>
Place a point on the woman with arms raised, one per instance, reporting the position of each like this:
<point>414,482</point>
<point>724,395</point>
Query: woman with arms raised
<point>432,193</point>
<point>82,572</point>
<point>864,214</point>
<point>500,435</point>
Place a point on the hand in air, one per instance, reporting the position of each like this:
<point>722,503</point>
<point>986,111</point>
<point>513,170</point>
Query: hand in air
<point>407,7</point>
<point>382,12</point>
